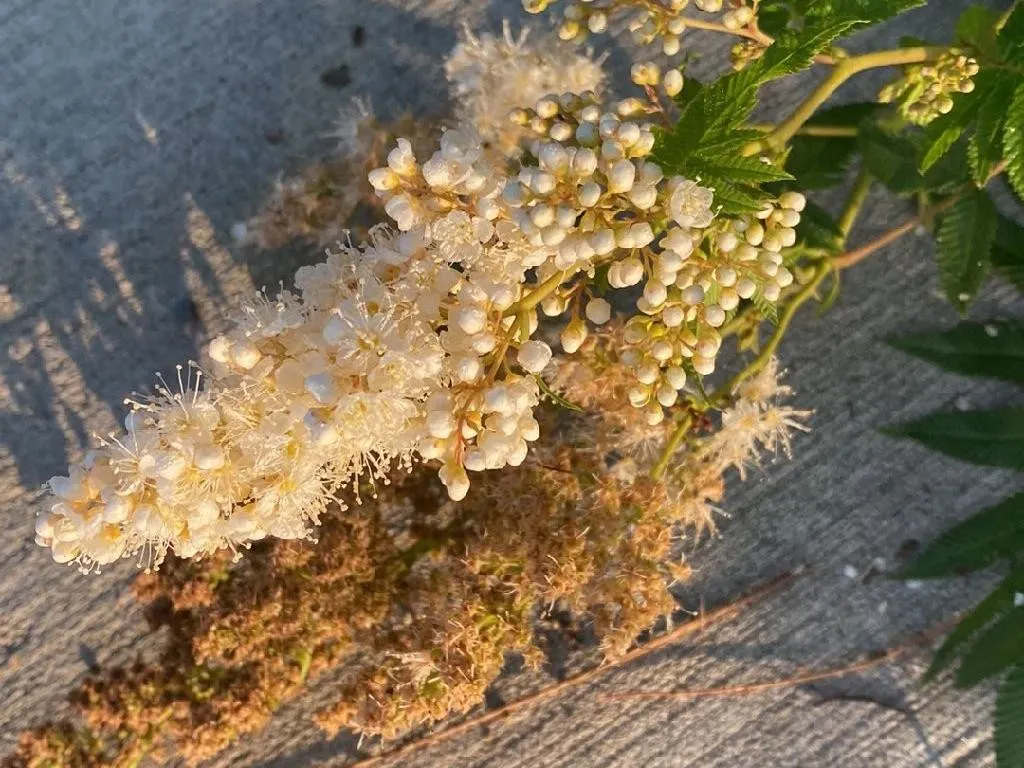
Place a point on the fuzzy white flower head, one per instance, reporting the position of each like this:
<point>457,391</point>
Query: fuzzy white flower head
<point>491,76</point>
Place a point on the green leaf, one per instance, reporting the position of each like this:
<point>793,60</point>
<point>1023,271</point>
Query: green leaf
<point>718,110</point>
<point>1008,252</point>
<point>995,604</point>
<point>1013,141</point>
<point>817,229</point>
<point>1011,37</point>
<point>992,438</point>
<point>748,170</point>
<point>893,159</point>
<point>993,349</point>
<point>818,162</point>
<point>980,541</point>
<point>733,199</point>
<point>965,238</point>
<point>984,149</point>
<point>1009,720</point>
<point>864,11</point>
<point>977,28</point>
<point>1001,646</point>
<point>942,133</point>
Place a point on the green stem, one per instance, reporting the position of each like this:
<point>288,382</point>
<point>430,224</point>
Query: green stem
<point>676,439</point>
<point>538,294</point>
<point>842,72</point>
<point>1005,17</point>
<point>826,131</point>
<point>805,293</point>
<point>858,195</point>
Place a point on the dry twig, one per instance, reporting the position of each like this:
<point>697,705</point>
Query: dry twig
<point>746,689</point>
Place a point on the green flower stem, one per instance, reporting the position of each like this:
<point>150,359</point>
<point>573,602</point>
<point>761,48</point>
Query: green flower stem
<point>821,271</point>
<point>676,439</point>
<point>842,72</point>
<point>825,131</point>
<point>538,294</point>
<point>858,195</point>
<point>1005,17</point>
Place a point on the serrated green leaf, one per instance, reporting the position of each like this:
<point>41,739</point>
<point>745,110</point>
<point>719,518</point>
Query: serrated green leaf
<point>977,28</point>
<point>1013,142</point>
<point>720,109</point>
<point>768,310</point>
<point>994,349</point>
<point>748,170</point>
<point>980,541</point>
<point>1001,646</point>
<point>864,11</point>
<point>817,229</point>
<point>1008,252</point>
<point>893,160</point>
<point>995,604</point>
<point>889,157</point>
<point>985,146</point>
<point>965,239</point>
<point>818,162</point>
<point>1009,720</point>
<point>732,199</point>
<point>944,131</point>
<point>991,438</point>
<point>1011,37</point>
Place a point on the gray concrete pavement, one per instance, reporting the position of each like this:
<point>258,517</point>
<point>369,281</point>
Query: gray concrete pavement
<point>134,136</point>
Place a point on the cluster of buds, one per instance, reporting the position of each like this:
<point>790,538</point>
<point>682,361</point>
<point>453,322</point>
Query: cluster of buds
<point>744,52</point>
<point>592,191</point>
<point>700,276</point>
<point>481,429</point>
<point>925,91</point>
<point>653,21</point>
<point>648,75</point>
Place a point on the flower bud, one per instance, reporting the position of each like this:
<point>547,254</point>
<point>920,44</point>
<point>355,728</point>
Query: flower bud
<point>703,365</point>
<point>573,336</point>
<point>598,311</point>
<point>675,376</point>
<point>631,270</point>
<point>621,176</point>
<point>534,356</point>
<point>673,82</point>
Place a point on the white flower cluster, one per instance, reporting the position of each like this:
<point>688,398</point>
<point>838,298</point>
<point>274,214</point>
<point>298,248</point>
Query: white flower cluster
<point>194,471</point>
<point>310,392</point>
<point>491,75</point>
<point>418,345</point>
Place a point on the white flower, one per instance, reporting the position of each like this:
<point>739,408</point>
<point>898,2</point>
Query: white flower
<point>690,204</point>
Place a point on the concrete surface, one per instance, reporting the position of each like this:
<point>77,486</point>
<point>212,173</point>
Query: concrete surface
<point>134,135</point>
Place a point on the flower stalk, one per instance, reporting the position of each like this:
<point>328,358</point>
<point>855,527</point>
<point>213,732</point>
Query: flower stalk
<point>843,71</point>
